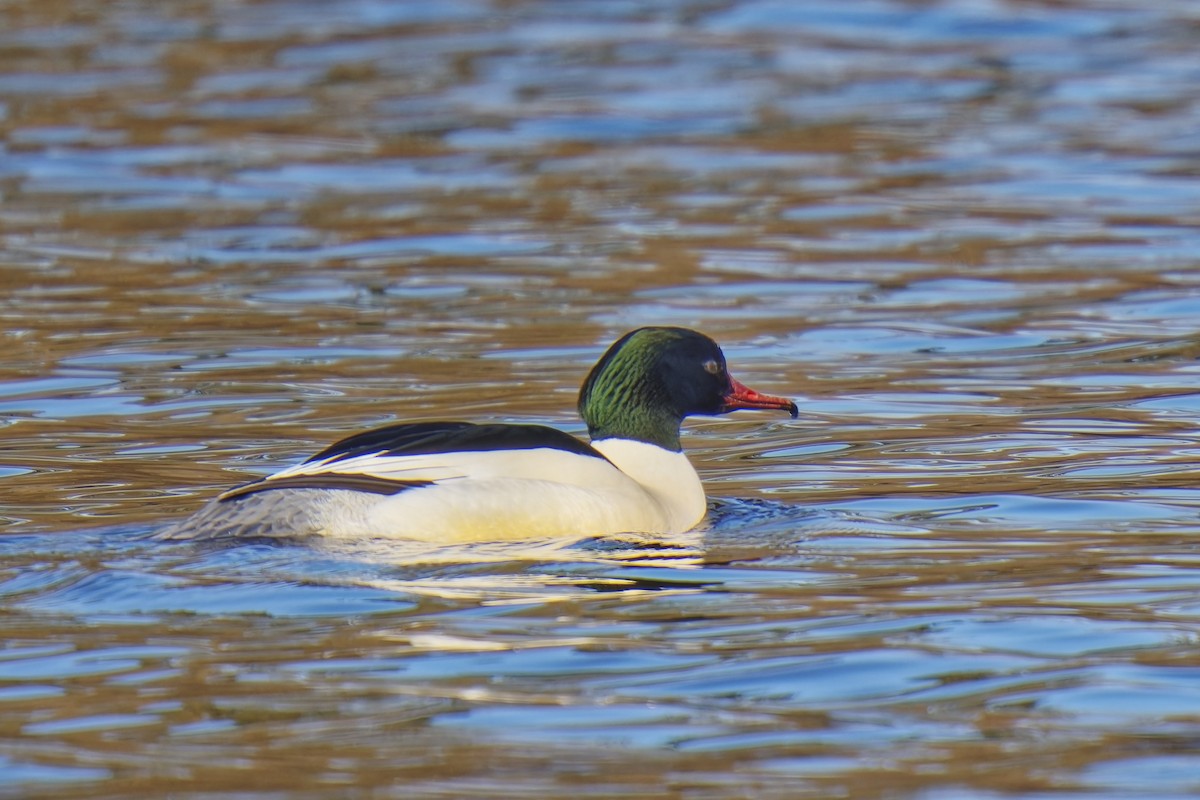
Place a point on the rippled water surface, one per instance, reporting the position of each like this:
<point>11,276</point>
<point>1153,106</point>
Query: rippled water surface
<point>963,233</point>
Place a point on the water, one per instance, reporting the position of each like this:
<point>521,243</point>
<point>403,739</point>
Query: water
<point>963,234</point>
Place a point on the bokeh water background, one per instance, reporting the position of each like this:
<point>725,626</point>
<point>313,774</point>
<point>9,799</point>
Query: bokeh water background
<point>965,234</point>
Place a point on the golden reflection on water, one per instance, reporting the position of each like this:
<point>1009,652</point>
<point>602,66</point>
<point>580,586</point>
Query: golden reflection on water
<point>964,235</point>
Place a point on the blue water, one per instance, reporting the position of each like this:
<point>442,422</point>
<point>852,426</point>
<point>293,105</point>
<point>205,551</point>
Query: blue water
<point>962,234</point>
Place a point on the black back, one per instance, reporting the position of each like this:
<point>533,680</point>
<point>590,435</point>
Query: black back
<point>424,438</point>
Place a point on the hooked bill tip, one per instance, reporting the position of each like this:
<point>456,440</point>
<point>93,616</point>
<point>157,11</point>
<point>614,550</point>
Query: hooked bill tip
<point>742,396</point>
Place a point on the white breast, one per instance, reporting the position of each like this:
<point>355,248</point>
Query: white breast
<point>666,476</point>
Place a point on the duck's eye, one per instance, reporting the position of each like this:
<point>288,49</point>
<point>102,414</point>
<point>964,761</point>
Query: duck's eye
<point>712,367</point>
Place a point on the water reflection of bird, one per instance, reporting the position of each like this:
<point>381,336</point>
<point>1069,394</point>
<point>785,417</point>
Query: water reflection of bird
<point>457,481</point>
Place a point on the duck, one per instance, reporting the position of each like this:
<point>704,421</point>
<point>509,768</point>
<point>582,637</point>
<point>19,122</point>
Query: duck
<point>453,482</point>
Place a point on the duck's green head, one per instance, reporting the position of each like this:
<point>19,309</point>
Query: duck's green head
<point>651,378</point>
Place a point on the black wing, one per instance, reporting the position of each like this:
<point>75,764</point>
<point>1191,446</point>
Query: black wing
<point>328,480</point>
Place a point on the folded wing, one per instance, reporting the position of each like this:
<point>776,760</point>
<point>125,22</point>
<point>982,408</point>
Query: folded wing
<point>399,457</point>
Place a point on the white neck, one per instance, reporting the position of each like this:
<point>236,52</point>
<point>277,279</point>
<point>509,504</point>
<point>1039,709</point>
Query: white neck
<point>668,477</point>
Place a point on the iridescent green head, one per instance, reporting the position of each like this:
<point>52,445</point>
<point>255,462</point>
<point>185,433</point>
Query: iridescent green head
<point>650,379</point>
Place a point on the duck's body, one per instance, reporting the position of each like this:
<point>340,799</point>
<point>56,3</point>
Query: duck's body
<point>455,481</point>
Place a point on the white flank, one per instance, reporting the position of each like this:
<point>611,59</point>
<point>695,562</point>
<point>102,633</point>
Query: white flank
<point>520,494</point>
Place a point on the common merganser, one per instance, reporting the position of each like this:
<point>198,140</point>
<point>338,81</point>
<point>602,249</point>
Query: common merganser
<point>458,481</point>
